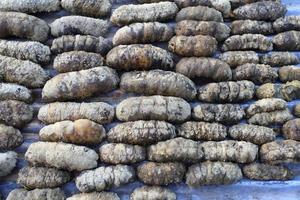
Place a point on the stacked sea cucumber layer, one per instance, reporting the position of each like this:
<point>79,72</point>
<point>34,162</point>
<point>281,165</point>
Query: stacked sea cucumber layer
<point>208,108</point>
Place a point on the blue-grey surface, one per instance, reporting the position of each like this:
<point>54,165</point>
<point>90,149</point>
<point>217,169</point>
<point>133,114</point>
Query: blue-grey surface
<point>243,190</point>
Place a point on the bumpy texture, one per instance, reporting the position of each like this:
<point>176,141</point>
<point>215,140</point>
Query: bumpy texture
<point>266,105</point>
<point>96,111</point>
<point>81,43</point>
<point>291,129</point>
<point>172,109</point>
<point>81,131</point>
<point>92,8</point>
<point>158,82</point>
<point>142,33</point>
<point>226,92</point>
<point>139,57</point>
<point>288,91</point>
<point>257,73</point>
<point>141,132</point>
<point>95,196</point>
<point>224,6</point>
<point>213,173</point>
<point>10,91</point>
<point>289,73</point>
<point>22,72</point>
<point>277,117</point>
<point>42,177</point>
<point>210,68</point>
<point>297,110</point>
<point>278,59</point>
<point>218,30</point>
<point>202,131</point>
<point>81,84</point>
<point>237,58</point>
<point>152,173</point>
<point>240,27</point>
<point>128,14</point>
<point>10,137</point>
<point>199,13</point>
<point>238,3</point>
<point>267,172</point>
<point>37,194</point>
<point>252,133</point>
<point>230,150</point>
<point>61,156</point>
<point>104,178</point>
<point>223,113</point>
<point>23,26</point>
<point>72,25</point>
<point>187,3</point>
<point>285,151</point>
<point>287,41</point>
<point>247,42</point>
<point>15,113</point>
<point>8,161</point>
<point>199,45</point>
<point>25,50</point>
<point>265,11</point>
<point>77,60</point>
<point>30,6</point>
<point>119,153</point>
<point>287,23</point>
<point>152,193</point>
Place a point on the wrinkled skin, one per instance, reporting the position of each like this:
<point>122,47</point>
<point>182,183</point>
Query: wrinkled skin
<point>223,113</point>
<point>152,193</point>
<point>265,11</point>
<point>139,57</point>
<point>291,129</point>
<point>171,109</point>
<point>198,46</point>
<point>210,68</point>
<point>257,73</point>
<point>152,173</point>
<point>119,153</point>
<point>278,59</point>
<point>218,30</point>
<point>297,110</point>
<point>10,137</point>
<point>213,173</point>
<point>11,91</point>
<point>141,132</point>
<point>81,131</point>
<point>95,196</point>
<point>226,92</point>
<point>36,194</point>
<point>72,25</point>
<point>199,13</point>
<point>104,178</point>
<point>30,6</point>
<point>142,33</point>
<point>202,131</point>
<point>266,105</point>
<point>230,150</point>
<point>248,42</point>
<point>81,84</point>
<point>237,58</point>
<point>92,8</point>
<point>289,73</point>
<point>25,50</point>
<point>42,177</point>
<point>287,41</point>
<point>21,25</point>
<point>15,113</point>
<point>127,14</point>
<point>8,161</point>
<point>240,27</point>
<point>158,82</point>
<point>287,23</point>
<point>187,3</point>
<point>175,150</point>
<point>87,43</point>
<point>98,112</point>
<point>252,133</point>
<point>277,117</point>
<point>61,156</point>
<point>76,61</point>
<point>286,151</point>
